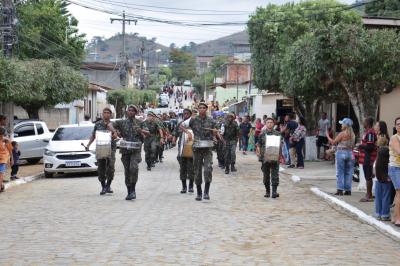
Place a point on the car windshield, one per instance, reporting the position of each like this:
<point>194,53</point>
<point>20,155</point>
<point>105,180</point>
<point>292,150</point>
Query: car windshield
<point>73,133</point>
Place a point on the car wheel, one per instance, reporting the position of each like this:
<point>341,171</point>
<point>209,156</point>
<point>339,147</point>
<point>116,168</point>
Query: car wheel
<point>48,175</point>
<point>33,161</point>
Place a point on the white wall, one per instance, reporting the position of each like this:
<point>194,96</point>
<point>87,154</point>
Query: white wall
<point>266,104</point>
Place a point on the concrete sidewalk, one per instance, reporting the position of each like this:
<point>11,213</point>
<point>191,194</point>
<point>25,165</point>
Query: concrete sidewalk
<point>27,173</point>
<point>323,176</point>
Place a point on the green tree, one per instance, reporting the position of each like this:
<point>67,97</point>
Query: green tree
<point>383,8</point>
<point>365,63</point>
<point>40,83</point>
<point>121,98</point>
<point>183,65</point>
<point>47,30</point>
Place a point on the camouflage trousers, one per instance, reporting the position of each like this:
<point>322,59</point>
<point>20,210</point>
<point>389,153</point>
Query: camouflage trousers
<point>220,152</point>
<point>186,168</point>
<point>106,168</point>
<point>150,150</point>
<point>131,161</point>
<point>230,153</point>
<point>270,173</point>
<point>202,161</point>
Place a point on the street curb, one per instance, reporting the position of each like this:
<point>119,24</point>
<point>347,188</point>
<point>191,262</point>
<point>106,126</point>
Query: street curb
<point>380,226</point>
<point>23,180</point>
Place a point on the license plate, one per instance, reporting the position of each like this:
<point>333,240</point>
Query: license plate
<point>73,164</point>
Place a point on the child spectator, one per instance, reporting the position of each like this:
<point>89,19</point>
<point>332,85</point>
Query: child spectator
<point>5,153</point>
<point>16,153</point>
<point>252,143</point>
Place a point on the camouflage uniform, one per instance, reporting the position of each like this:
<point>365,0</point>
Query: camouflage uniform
<point>130,158</point>
<point>231,134</point>
<point>202,158</point>
<point>220,148</point>
<point>106,166</point>
<point>270,169</point>
<point>186,164</point>
<point>151,142</point>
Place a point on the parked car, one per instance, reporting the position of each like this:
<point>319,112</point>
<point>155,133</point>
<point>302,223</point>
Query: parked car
<point>65,153</point>
<point>187,83</point>
<point>163,100</point>
<point>32,137</point>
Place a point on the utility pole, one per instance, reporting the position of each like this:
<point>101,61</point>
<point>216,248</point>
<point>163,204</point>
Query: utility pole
<point>8,38</point>
<point>141,76</point>
<point>123,70</point>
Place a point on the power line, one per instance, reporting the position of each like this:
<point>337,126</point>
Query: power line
<point>175,12</point>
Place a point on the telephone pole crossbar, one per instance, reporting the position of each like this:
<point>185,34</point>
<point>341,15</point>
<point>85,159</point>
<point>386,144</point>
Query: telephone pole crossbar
<point>124,59</point>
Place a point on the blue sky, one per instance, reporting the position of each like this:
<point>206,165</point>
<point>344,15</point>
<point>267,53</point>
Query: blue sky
<point>95,23</point>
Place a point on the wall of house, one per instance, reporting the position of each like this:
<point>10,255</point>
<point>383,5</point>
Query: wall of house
<point>54,117</point>
<point>390,108</point>
<point>265,104</point>
<point>228,93</point>
<point>235,71</point>
<point>106,78</point>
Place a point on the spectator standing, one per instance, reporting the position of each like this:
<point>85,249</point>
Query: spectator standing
<point>322,140</point>
<point>5,156</point>
<point>344,157</point>
<point>368,151</point>
<point>394,169</point>
<point>298,140</point>
<point>383,185</point>
<point>16,153</point>
<point>245,127</point>
<point>258,129</point>
<point>290,128</point>
<point>3,124</point>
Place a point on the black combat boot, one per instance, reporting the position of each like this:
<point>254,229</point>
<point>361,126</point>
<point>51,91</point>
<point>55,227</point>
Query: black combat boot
<point>184,187</point>
<point>267,191</point>
<point>275,194</point>
<point>191,186</point>
<point>206,191</point>
<point>199,193</point>
<point>233,168</point>
<point>133,191</point>
<point>108,186</point>
<point>103,188</point>
<point>129,193</point>
<point>227,169</point>
<point>148,166</point>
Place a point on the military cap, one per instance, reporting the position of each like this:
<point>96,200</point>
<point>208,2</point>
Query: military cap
<point>203,103</point>
<point>134,107</point>
<point>150,113</point>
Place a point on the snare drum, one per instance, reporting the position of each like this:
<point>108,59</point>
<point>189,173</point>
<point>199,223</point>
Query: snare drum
<point>203,144</point>
<point>130,145</point>
<point>272,148</point>
<point>103,144</point>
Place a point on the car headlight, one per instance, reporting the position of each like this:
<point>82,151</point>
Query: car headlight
<point>49,152</point>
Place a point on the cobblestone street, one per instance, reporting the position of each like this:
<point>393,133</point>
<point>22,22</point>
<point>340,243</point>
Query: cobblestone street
<point>64,221</point>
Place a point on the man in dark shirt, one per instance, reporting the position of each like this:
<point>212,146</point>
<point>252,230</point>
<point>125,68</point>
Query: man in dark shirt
<point>245,128</point>
<point>290,128</point>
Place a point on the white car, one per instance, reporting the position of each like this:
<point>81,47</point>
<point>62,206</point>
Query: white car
<point>32,138</point>
<point>163,100</point>
<point>187,83</point>
<point>65,153</point>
